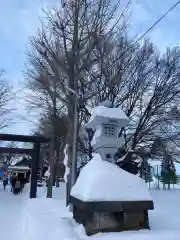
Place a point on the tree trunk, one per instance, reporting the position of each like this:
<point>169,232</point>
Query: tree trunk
<point>71,127</point>
<point>54,169</point>
<point>50,180</point>
<point>49,187</point>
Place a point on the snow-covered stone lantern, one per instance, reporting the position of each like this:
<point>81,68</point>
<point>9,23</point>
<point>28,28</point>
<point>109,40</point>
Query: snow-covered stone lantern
<point>106,197</point>
<point>106,122</point>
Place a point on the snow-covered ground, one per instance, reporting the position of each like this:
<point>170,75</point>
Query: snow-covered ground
<point>164,221</point>
<point>41,218</point>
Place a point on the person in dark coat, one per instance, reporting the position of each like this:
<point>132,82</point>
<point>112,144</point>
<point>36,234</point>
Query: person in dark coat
<point>22,181</point>
<point>13,181</point>
<point>5,183</point>
<point>17,187</point>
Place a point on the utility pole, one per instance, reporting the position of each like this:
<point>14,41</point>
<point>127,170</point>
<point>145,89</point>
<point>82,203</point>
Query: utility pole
<point>54,121</point>
<point>74,153</point>
<point>75,127</point>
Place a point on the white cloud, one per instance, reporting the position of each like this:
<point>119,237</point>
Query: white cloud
<point>139,13</point>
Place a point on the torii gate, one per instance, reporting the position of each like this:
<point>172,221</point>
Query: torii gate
<point>34,152</point>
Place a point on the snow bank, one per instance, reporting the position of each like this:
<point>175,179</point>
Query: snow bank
<point>44,218</point>
<point>164,221</point>
<point>128,235</point>
<point>103,181</point>
<point>47,173</point>
<point>67,169</point>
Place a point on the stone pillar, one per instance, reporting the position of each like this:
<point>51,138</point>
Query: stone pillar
<point>34,170</point>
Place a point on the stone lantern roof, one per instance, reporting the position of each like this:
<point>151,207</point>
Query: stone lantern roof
<point>107,115</point>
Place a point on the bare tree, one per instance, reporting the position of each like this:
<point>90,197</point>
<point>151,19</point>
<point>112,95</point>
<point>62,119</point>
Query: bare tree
<point>46,127</point>
<point>80,49</point>
<point>147,94</point>
<point>152,107</point>
<point>10,156</point>
<point>64,55</point>
<point>6,97</point>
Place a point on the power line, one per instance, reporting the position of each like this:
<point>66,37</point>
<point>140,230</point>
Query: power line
<point>162,17</point>
<point>148,30</point>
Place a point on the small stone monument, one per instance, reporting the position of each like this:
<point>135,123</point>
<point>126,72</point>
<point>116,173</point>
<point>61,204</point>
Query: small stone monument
<point>107,198</point>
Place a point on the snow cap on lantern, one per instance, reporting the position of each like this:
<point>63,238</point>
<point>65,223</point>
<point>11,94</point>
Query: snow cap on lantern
<point>106,121</point>
<point>103,181</point>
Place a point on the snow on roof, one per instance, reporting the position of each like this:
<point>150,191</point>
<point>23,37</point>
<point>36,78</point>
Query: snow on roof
<point>103,181</point>
<point>24,168</point>
<point>15,160</point>
<point>101,114</point>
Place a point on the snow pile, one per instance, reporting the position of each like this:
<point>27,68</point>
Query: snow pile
<point>164,221</point>
<point>67,169</point>
<point>47,173</point>
<point>15,160</point>
<point>103,181</point>
<point>45,218</point>
<point>129,235</point>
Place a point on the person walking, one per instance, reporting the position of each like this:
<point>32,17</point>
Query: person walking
<point>5,183</point>
<point>13,181</point>
<point>22,184</point>
<point>17,187</point>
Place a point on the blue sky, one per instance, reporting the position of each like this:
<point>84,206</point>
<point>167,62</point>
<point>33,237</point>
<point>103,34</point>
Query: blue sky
<point>20,19</point>
<point>146,12</point>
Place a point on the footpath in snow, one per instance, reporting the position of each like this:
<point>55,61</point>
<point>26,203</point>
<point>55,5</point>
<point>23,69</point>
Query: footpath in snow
<point>34,219</point>
<point>47,218</point>
<point>41,218</point>
<point>10,214</point>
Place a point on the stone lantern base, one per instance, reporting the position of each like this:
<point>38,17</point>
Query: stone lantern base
<point>111,216</point>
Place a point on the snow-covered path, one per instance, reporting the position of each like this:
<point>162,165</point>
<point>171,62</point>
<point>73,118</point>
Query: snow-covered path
<point>47,219</point>
<point>11,208</point>
<point>26,219</point>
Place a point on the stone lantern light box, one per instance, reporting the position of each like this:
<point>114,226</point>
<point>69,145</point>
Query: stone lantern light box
<point>106,122</point>
<point>106,197</point>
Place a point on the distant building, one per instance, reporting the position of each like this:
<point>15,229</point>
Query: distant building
<point>22,169</point>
